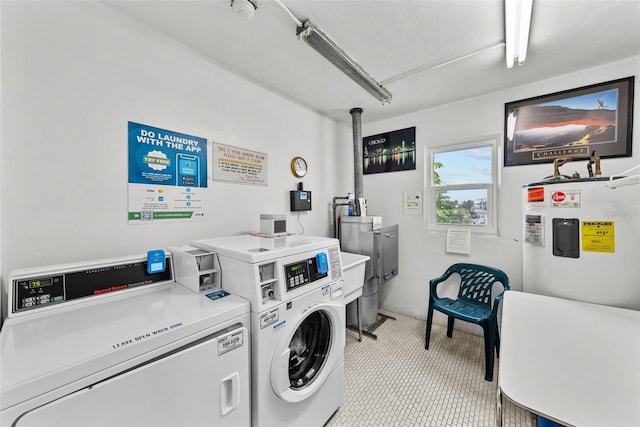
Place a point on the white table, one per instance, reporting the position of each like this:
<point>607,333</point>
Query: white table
<point>571,362</point>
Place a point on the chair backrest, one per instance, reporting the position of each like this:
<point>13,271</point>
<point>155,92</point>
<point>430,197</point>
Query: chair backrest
<point>476,282</point>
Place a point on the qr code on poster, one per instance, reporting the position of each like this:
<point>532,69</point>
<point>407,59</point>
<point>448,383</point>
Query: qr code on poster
<point>146,215</point>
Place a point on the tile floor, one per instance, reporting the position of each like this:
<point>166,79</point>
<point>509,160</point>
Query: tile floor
<point>394,381</point>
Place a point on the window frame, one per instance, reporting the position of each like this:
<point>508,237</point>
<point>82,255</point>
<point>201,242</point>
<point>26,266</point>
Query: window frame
<point>491,227</point>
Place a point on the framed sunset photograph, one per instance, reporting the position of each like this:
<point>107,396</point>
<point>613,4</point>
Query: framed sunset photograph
<point>573,123</point>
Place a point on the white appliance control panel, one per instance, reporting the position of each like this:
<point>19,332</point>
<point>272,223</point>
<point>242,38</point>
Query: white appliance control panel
<point>35,289</point>
<point>306,271</point>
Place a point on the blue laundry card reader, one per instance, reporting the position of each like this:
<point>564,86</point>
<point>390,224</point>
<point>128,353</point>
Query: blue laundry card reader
<point>156,261</point>
<point>322,264</point>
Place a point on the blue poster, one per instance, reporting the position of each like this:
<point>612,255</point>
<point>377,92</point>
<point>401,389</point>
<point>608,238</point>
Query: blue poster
<point>163,157</point>
<point>167,175</point>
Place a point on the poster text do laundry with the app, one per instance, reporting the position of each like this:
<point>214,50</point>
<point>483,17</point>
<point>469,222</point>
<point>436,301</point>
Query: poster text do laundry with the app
<point>167,174</point>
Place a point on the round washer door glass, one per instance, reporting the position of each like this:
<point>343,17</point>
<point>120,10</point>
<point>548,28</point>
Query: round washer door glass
<point>309,348</point>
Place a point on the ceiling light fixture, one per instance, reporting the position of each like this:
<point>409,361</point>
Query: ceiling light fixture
<point>517,15</point>
<point>326,47</point>
<point>244,8</point>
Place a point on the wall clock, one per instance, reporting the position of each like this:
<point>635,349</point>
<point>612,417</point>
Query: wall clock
<point>298,167</point>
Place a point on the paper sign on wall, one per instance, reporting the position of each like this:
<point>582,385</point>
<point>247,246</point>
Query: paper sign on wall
<point>459,241</point>
<point>412,202</point>
<point>234,164</point>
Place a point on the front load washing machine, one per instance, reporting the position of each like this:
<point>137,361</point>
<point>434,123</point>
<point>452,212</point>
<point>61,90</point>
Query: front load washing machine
<point>107,343</point>
<point>295,288</point>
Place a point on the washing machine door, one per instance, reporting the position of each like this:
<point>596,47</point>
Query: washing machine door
<point>311,348</point>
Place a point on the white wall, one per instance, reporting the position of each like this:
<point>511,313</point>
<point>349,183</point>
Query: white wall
<point>422,256</point>
<point>73,75</point>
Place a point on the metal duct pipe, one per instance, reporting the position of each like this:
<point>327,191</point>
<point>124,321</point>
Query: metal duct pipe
<point>356,120</point>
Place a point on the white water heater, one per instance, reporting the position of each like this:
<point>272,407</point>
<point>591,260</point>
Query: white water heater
<point>582,241</point>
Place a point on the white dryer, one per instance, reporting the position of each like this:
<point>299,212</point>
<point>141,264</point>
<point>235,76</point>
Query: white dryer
<point>295,288</point>
<point>108,343</point>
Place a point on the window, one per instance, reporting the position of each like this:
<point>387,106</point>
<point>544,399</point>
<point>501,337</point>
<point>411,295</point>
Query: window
<point>462,186</point>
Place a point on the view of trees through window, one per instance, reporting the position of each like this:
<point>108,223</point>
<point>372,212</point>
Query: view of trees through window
<point>452,209</point>
<point>456,175</point>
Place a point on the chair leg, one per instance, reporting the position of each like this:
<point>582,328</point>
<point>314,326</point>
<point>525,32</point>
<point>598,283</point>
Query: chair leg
<point>427,334</point>
<point>450,326</point>
<point>489,344</point>
<point>497,340</point>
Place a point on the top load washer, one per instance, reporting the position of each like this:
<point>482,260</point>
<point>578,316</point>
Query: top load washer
<point>107,343</point>
<point>295,286</point>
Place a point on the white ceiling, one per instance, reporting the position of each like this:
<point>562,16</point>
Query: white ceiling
<point>390,39</point>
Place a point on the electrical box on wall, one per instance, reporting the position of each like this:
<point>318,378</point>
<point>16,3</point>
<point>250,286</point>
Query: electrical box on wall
<point>300,200</point>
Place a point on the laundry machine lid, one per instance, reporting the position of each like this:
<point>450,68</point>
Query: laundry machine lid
<point>94,340</point>
<point>253,249</point>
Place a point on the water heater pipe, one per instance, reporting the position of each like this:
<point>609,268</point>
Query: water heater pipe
<point>356,120</point>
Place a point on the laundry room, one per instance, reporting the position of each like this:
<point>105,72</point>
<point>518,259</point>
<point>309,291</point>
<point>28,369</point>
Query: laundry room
<point>207,135</point>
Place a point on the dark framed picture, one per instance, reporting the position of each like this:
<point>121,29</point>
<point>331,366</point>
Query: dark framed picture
<point>572,123</point>
<point>389,151</point>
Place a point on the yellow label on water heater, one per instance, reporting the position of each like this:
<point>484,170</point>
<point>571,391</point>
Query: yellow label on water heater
<point>598,236</point>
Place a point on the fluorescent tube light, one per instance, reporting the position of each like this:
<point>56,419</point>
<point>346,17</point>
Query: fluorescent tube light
<point>338,57</point>
<point>517,15</point>
<point>511,126</point>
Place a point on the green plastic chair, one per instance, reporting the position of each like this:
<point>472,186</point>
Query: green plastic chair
<point>472,305</point>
